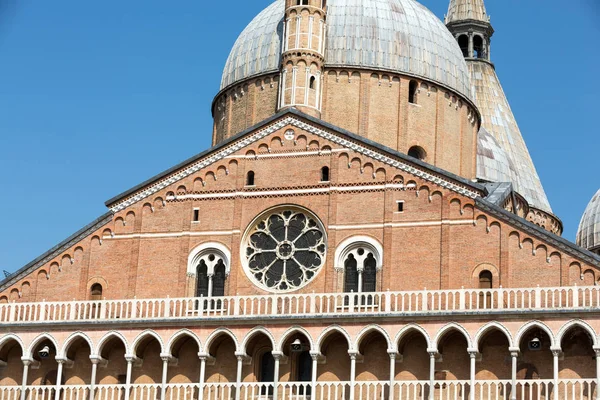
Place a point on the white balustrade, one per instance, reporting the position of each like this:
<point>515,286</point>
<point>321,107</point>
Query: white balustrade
<point>321,304</point>
<point>568,389</point>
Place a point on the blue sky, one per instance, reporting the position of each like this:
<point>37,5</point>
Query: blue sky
<point>97,96</point>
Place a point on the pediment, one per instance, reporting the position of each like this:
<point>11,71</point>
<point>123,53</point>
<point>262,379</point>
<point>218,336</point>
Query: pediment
<point>301,124</point>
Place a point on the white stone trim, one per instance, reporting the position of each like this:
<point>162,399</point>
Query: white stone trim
<point>290,120</point>
<point>220,250</point>
<point>354,242</point>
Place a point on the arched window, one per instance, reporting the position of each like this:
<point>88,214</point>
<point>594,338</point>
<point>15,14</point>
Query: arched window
<point>250,178</point>
<point>96,292</point>
<point>463,42</point>
<point>325,174</point>
<point>478,49</point>
<point>412,92</point>
<point>267,372</point>
<point>209,265</point>
<point>359,258</point>
<point>417,152</point>
<point>312,82</point>
<point>486,280</point>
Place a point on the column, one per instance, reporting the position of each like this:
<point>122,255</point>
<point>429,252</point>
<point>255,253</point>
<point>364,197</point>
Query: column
<point>471,46</point>
<point>514,354</point>
<point>165,373</point>
<point>353,356</point>
<point>203,358</point>
<point>130,358</point>
<point>26,363</point>
<point>95,361</point>
<point>555,353</point>
<point>597,350</point>
<point>277,357</point>
<point>473,356</point>
<point>210,285</point>
<point>238,378</point>
<point>392,355</point>
<point>59,373</point>
<point>315,362</point>
<point>432,356</point>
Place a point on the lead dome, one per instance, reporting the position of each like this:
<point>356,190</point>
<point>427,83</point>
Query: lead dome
<point>588,235</point>
<point>390,35</point>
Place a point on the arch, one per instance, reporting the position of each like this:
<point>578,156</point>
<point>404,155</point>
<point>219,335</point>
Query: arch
<point>290,332</point>
<point>351,243</point>
<point>182,333</point>
<point>490,326</point>
<point>370,329</point>
<point>409,329</point>
<point>71,339</point>
<point>530,325</point>
<point>332,329</point>
<point>10,336</point>
<point>107,337</point>
<point>218,332</point>
<point>255,331</point>
<point>38,340</point>
<point>417,152</point>
<point>572,324</point>
<point>453,326</point>
<point>200,251</point>
<point>147,333</point>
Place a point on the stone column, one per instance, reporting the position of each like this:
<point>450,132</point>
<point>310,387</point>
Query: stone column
<point>210,284</point>
<point>556,354</point>
<point>61,364</point>
<point>26,363</point>
<point>353,356</point>
<point>471,46</point>
<point>514,355</point>
<point>473,356</point>
<point>277,355</point>
<point>315,362</point>
<point>392,355</point>
<point>238,378</point>
<point>130,359</point>
<point>203,357</point>
<point>95,361</point>
<point>432,356</point>
<point>597,351</point>
<point>165,374</point>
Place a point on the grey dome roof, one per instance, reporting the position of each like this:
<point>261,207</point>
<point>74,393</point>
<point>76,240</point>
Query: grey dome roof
<point>588,235</point>
<point>393,35</point>
<point>493,164</point>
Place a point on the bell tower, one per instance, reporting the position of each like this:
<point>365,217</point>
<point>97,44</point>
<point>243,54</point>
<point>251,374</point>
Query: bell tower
<point>303,49</point>
<point>470,24</point>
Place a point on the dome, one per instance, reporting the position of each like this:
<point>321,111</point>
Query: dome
<point>588,235</point>
<point>493,165</point>
<point>399,36</point>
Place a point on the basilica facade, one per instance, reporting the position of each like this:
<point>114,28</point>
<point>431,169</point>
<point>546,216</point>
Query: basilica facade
<point>367,225</point>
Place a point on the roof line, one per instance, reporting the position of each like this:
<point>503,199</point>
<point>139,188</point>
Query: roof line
<point>54,251</point>
<point>531,228</point>
<point>297,113</point>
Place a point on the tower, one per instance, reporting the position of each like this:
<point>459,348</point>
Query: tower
<point>470,24</point>
<point>303,48</point>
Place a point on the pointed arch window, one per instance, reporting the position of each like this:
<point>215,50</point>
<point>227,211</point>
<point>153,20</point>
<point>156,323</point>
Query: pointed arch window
<point>360,262</point>
<point>208,264</point>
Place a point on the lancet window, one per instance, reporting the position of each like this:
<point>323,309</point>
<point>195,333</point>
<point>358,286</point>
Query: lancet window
<point>360,262</point>
<point>209,265</point>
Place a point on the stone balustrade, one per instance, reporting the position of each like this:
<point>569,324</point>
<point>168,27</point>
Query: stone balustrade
<point>313,305</point>
<point>571,389</point>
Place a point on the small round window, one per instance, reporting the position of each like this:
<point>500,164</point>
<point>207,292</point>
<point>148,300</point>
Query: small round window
<point>284,249</point>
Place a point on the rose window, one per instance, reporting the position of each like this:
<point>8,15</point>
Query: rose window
<point>285,249</point>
